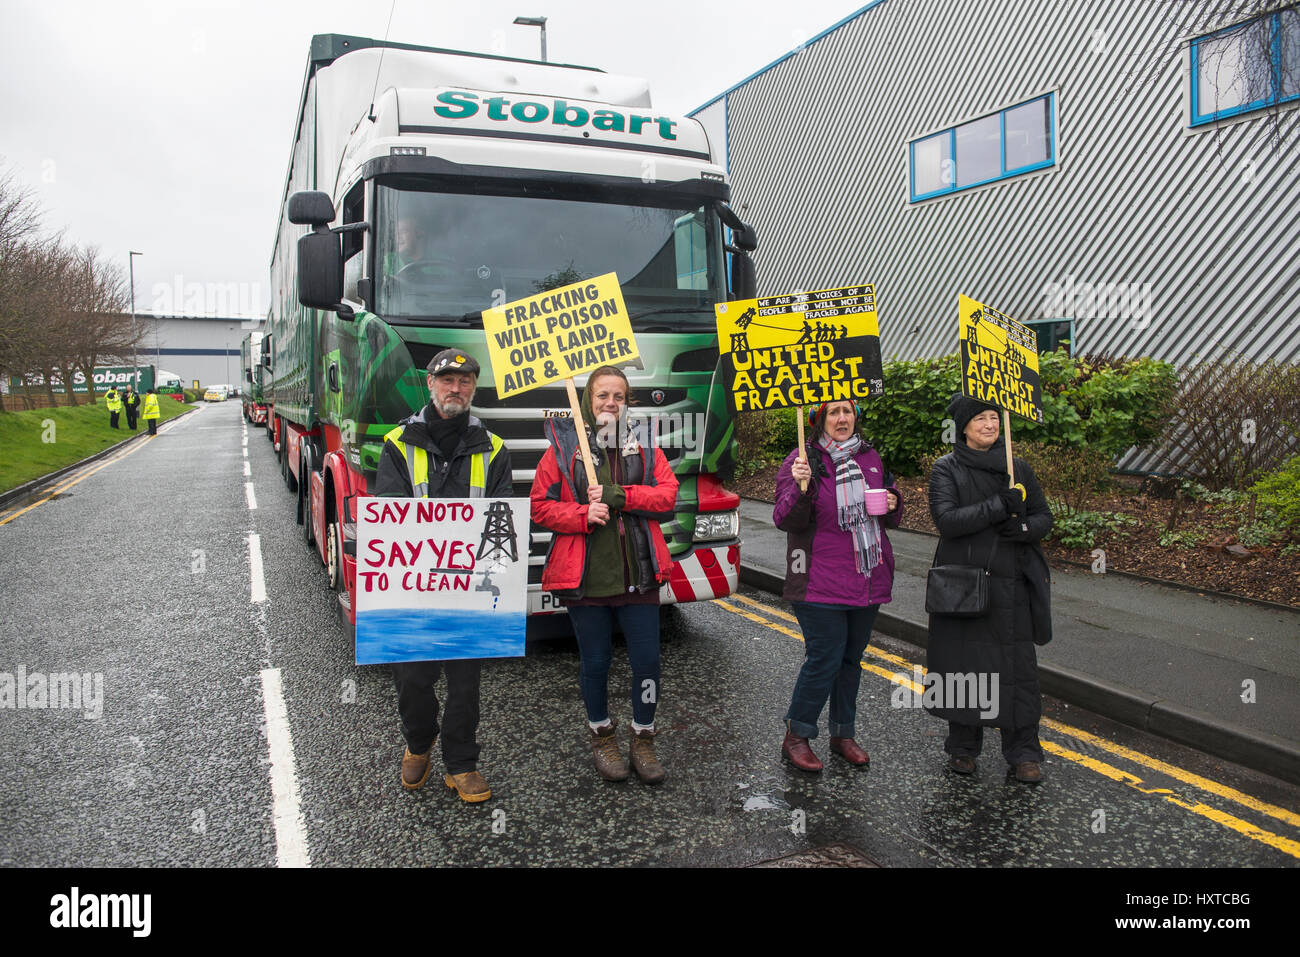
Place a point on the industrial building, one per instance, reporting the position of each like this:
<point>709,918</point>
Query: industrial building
<point>1122,175</point>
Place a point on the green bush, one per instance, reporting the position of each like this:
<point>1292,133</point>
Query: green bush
<point>1069,475</point>
<point>1079,528</point>
<point>1279,493</point>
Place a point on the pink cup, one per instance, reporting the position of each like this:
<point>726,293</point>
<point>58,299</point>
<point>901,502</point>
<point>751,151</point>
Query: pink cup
<point>877,501</point>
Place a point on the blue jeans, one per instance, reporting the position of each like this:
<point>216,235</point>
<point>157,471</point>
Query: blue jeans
<point>834,638</point>
<point>594,626</point>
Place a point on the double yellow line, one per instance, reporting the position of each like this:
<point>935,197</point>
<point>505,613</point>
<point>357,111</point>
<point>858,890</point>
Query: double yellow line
<point>1284,844</point>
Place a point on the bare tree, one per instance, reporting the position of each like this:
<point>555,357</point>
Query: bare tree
<point>19,221</point>
<point>1237,65</point>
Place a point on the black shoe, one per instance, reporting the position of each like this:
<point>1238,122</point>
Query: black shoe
<point>962,764</point>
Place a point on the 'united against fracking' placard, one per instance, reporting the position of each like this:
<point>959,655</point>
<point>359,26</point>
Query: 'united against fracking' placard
<point>800,349</point>
<point>560,333</point>
<point>999,360</point>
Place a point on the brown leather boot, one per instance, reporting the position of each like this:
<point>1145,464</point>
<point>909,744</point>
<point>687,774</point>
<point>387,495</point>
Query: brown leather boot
<point>1029,772</point>
<point>644,762</point>
<point>609,761</point>
<point>850,751</point>
<point>800,754</point>
<point>470,786</point>
<point>415,769</point>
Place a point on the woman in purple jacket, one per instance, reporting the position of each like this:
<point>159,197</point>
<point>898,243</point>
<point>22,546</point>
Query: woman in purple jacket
<point>839,571</point>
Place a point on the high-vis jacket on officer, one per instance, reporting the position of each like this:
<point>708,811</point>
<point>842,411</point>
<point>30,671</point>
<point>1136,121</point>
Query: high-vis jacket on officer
<point>112,401</point>
<point>150,406</point>
<point>412,465</point>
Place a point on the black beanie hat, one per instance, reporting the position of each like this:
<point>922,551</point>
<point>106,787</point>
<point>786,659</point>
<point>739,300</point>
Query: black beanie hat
<point>963,410</point>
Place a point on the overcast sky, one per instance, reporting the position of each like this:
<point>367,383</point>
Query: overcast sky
<point>165,127</point>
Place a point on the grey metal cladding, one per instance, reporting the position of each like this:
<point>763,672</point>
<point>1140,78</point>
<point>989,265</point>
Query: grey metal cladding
<point>819,163</point>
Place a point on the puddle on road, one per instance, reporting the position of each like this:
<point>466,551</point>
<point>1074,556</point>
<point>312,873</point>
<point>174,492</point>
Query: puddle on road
<point>766,794</point>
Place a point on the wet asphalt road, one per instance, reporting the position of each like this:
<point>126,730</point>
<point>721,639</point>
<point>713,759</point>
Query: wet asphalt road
<point>141,573</point>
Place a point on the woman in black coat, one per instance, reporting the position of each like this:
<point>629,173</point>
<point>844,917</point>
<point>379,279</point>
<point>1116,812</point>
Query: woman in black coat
<point>984,523</point>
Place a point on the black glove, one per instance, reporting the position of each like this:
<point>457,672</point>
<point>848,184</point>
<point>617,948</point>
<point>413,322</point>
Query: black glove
<point>1015,529</point>
<point>1011,500</point>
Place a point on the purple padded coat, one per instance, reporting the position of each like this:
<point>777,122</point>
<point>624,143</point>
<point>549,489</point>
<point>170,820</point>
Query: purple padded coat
<point>818,553</point>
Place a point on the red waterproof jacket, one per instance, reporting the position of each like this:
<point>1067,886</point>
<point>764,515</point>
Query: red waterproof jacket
<point>559,503</point>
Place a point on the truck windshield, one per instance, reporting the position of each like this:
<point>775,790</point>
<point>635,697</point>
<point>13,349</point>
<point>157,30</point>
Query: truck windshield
<point>441,255</point>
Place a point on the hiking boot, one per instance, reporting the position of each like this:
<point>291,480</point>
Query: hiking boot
<point>415,769</point>
<point>609,761</point>
<point>470,786</point>
<point>800,754</point>
<point>849,750</point>
<point>962,764</point>
<point>1029,772</point>
<point>644,762</point>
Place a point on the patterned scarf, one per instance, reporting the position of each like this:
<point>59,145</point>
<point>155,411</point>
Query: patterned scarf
<point>851,502</point>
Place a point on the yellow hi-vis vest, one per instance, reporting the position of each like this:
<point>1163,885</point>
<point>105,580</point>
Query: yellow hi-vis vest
<point>113,401</point>
<point>150,406</point>
<point>417,464</point>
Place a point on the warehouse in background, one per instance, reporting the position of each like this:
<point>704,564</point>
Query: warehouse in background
<point>197,348</point>
<point>1119,175</point>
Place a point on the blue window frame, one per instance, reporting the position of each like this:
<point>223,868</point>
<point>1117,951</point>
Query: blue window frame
<point>1016,140</point>
<point>1245,67</point>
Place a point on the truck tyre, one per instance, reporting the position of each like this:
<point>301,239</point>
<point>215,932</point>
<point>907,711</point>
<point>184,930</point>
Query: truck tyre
<point>304,495</point>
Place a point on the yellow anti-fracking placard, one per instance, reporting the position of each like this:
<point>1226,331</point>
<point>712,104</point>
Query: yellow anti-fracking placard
<point>800,349</point>
<point>999,360</point>
<point>559,333</point>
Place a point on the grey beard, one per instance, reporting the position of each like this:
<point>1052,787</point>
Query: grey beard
<point>445,410</point>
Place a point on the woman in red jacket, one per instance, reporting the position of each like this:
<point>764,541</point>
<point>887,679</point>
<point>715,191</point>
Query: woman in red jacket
<point>608,559</point>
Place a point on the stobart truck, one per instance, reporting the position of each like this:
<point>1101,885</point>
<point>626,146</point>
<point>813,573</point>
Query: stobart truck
<point>438,183</point>
<point>251,371</point>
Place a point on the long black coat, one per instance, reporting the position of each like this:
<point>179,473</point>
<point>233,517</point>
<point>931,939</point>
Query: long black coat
<point>970,516</point>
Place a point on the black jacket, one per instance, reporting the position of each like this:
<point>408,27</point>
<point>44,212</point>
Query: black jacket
<point>969,515</point>
<point>447,478</point>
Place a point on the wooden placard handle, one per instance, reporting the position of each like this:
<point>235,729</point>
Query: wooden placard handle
<point>1006,432</point>
<point>581,426</point>
<point>803,456</point>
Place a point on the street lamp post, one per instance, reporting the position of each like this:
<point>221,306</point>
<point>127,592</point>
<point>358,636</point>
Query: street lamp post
<point>135,361</point>
<point>535,22</point>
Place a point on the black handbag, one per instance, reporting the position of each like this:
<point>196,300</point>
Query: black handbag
<point>958,591</point>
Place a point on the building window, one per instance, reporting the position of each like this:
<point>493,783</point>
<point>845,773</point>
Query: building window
<point>1053,334</point>
<point>1016,140</point>
<point>1246,67</point>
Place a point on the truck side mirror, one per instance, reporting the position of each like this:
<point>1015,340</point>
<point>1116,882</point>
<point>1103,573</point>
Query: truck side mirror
<point>320,269</point>
<point>744,280</point>
<point>311,207</point>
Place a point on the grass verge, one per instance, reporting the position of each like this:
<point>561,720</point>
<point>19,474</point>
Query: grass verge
<point>40,441</point>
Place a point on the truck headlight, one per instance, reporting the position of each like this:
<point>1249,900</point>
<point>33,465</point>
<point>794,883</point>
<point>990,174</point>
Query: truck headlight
<point>716,526</point>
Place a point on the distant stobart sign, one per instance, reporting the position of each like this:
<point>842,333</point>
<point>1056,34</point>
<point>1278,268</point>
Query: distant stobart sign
<point>999,360</point>
<point>800,349</point>
<point>558,334</point>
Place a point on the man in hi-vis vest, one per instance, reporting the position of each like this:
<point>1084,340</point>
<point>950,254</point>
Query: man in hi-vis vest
<point>443,452</point>
<point>113,402</point>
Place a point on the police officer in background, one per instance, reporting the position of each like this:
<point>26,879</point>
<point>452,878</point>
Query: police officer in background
<point>114,404</point>
<point>131,404</point>
<point>443,452</point>
<point>151,411</point>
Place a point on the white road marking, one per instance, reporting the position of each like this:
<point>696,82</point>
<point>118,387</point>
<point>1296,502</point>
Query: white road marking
<point>257,582</point>
<point>247,471</point>
<point>290,838</point>
<point>248,493</point>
